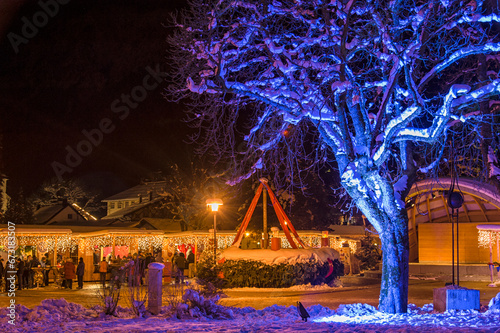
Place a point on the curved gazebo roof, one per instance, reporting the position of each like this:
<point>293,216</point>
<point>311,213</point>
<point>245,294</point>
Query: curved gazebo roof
<point>426,202</point>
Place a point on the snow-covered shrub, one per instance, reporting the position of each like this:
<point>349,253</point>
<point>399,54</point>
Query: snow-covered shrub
<point>494,304</point>
<point>136,293</point>
<point>172,294</point>
<point>368,254</point>
<point>200,306</point>
<point>248,273</point>
<point>357,309</point>
<point>109,298</point>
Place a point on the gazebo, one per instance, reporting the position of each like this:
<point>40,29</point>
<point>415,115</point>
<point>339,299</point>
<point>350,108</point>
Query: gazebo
<point>429,218</point>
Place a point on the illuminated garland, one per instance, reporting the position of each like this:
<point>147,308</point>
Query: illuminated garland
<point>337,244</point>
<point>312,241</point>
<point>484,237</point>
<point>50,242</point>
<point>96,241</point>
<point>223,241</point>
<point>124,240</point>
<point>145,242</point>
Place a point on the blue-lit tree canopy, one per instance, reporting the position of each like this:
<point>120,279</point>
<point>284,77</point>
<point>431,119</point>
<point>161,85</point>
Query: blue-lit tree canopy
<point>381,85</point>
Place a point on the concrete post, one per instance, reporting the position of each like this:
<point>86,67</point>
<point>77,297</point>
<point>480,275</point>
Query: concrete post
<point>154,287</point>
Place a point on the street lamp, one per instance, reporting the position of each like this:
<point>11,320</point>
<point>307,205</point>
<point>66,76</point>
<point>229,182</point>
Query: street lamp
<point>214,206</point>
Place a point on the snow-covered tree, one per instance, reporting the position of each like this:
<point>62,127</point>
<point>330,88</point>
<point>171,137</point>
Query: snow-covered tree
<point>71,190</point>
<point>379,86</point>
<point>187,191</point>
<point>19,210</point>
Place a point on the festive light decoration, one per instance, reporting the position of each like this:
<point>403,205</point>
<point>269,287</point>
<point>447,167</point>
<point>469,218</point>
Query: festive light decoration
<point>64,242</point>
<point>84,213</point>
<point>223,241</point>
<point>146,242</point>
<point>48,242</point>
<point>96,241</point>
<point>485,236</point>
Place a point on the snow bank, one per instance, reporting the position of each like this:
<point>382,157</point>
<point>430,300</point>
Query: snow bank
<point>283,256</point>
<point>61,316</point>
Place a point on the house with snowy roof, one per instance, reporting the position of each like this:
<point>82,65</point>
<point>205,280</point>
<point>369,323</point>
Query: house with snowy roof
<point>142,206</point>
<point>63,213</point>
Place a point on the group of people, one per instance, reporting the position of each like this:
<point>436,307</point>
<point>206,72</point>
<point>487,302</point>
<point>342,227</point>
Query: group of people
<point>65,271</point>
<point>180,263</point>
<point>68,272</point>
<point>27,276</point>
<point>131,268</point>
<point>25,268</point>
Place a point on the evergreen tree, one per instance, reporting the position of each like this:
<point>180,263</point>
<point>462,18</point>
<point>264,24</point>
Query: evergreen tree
<point>19,210</point>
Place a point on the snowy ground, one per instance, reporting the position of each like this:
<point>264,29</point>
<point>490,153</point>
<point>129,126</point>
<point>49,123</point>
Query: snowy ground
<point>61,316</point>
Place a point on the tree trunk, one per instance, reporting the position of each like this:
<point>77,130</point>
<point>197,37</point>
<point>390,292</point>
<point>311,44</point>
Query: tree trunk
<point>395,258</point>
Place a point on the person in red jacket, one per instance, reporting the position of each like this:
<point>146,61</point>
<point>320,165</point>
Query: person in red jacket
<point>103,269</point>
<point>69,273</point>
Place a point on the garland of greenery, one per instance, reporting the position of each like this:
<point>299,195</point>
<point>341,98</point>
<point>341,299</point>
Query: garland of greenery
<point>248,273</point>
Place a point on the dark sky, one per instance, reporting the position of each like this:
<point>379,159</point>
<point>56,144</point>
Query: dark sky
<point>73,74</point>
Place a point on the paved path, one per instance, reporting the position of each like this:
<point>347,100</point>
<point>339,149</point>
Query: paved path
<point>355,290</point>
<point>420,293</point>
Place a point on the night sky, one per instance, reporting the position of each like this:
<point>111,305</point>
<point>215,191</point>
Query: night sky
<point>76,73</point>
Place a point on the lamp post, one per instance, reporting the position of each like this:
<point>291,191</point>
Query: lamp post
<point>214,206</point>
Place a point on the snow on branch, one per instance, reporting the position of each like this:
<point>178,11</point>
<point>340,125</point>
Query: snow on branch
<point>455,56</point>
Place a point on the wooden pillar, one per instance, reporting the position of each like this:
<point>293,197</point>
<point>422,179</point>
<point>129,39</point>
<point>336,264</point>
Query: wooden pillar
<point>113,247</point>
<point>55,253</point>
<point>195,253</point>
<point>264,226</point>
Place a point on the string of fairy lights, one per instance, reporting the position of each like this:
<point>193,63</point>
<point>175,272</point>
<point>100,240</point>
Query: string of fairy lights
<point>486,236</point>
<point>223,241</point>
<point>45,243</point>
<point>63,243</point>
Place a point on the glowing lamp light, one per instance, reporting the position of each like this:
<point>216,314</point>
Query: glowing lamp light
<point>214,204</point>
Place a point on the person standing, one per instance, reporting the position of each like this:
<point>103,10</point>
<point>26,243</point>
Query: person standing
<point>69,273</point>
<point>180,264</point>
<point>20,273</point>
<point>28,273</point>
<point>80,270</point>
<point>190,263</point>
<point>47,269</point>
<point>103,270</point>
<point>3,271</point>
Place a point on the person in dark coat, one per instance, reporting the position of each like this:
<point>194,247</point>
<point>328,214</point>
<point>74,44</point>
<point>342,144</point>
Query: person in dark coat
<point>6,276</point>
<point>69,273</point>
<point>80,270</point>
<point>180,264</point>
<point>190,263</point>
<point>20,274</point>
<point>2,271</point>
<point>1,267</point>
<point>46,271</point>
<point>28,273</point>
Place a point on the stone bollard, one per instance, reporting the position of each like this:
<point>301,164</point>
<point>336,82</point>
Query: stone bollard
<point>155,287</point>
<point>454,297</point>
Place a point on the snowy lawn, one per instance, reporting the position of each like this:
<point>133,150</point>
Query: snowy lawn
<point>60,316</point>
